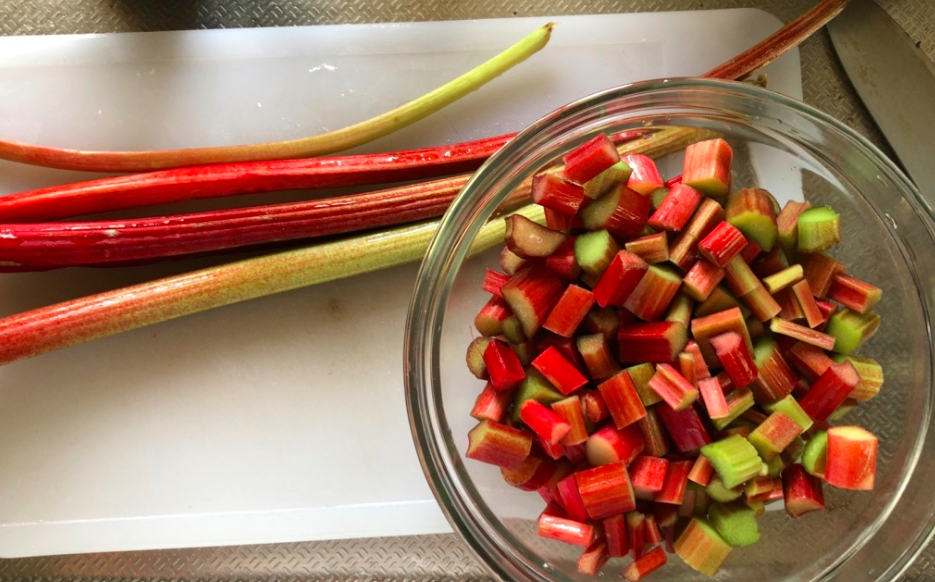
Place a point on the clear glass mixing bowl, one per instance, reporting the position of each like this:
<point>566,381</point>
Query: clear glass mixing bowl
<point>792,150</point>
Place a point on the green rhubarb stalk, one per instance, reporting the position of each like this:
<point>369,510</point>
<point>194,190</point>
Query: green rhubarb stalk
<point>64,324</point>
<point>325,143</point>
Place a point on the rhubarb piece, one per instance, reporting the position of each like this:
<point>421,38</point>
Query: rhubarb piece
<point>851,329</point>
<point>770,263</point>
<point>570,311</point>
<point>652,248</point>
<point>510,262</point>
<point>707,167</point>
<point>622,400</point>
<point>565,346</point>
<point>785,278</point>
<point>720,300</point>
<point>565,530</point>
<point>489,320</point>
<point>819,271</point>
<point>659,341</point>
<point>590,159</point>
<point>655,442</point>
<point>775,465</point>
<point>713,398</point>
<point>656,198</point>
<point>732,352</point>
<point>570,411</point>
<point>641,374</point>
<point>740,277</point>
<point>702,279</point>
<point>722,244</point>
<point>549,491</point>
<point>597,357</point>
<point>815,455</point>
<point>750,252</point>
<point>651,534</point>
<point>790,407</point>
<point>645,565</point>
<point>853,293</point>
<point>751,210</point>
<point>829,391</point>
<point>774,435</point>
<point>475,357</point>
<point>615,529</point>
<point>653,293</point>
<point>735,460</point>
<point>702,471</point>
<point>618,173</point>
<point>763,306</point>
<point>787,224</point>
<point>675,484</point>
<point>648,475</point>
<point>594,251</point>
<point>570,498</point>
<point>693,350</point>
<point>675,210</point>
<point>595,410</point>
<point>645,177</point>
<point>701,547</point>
<point>493,280</point>
<point>775,378</point>
<point>606,490</point>
<point>548,426</point>
<point>491,404</point>
<point>556,193</point>
<point>503,366</point>
<point>635,521</point>
<point>682,249</point>
<point>620,279</point>
<point>531,294</point>
<point>559,371</point>
<point>800,332</point>
<point>721,494</point>
<point>819,229</point>
<point>498,444</point>
<point>528,239</point>
<point>807,304</point>
<point>685,428</point>
<point>680,310</point>
<point>621,211</point>
<point>603,320</point>
<point>593,558</point>
<point>738,402</point>
<point>533,473</point>
<point>609,445</point>
<point>558,221</point>
<point>562,261</point>
<point>704,328</point>
<point>513,330</point>
<point>852,458</point>
<point>809,360</point>
<point>871,376</point>
<point>736,523</point>
<point>554,451</point>
<point>801,491</point>
<point>758,486</point>
<point>537,388</point>
<point>673,388</point>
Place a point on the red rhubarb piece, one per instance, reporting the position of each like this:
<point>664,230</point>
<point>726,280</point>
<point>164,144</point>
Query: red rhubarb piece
<point>548,426</point>
<point>829,391</point>
<point>702,471</point>
<point>559,371</point>
<point>558,221</point>
<point>565,530</point>
<point>556,193</point>
<point>621,211</point>
<point>713,397</point>
<point>852,458</point>
<point>565,346</point>
<point>622,400</point>
<point>732,352</point>
<point>595,409</point>
<point>659,341</point>
<point>590,159</point>
<point>570,311</point>
<point>750,252</point>
<point>802,333</point>
<point>597,357</point>
<point>648,475</point>
<point>676,482</point>
<point>801,491</point>
<point>489,320</point>
<point>853,293</point>
<point>503,366</point>
<point>554,451</point>
<point>615,530</point>
<point>676,208</point>
<point>655,442</point>
<point>608,445</point>
<point>819,270</point>
<point>619,279</point>
<point>635,521</point>
<point>701,279</point>
<point>707,167</point>
<point>570,411</point>
<point>645,565</point>
<point>534,472</point>
<point>810,361</point>
<point>807,304</point>
<point>666,515</point>
<point>644,177</point>
<point>492,404</point>
<point>652,295</point>
<point>531,294</point>
<point>571,499</point>
<point>722,244</point>
<point>498,444</point>
<point>685,428</point>
<point>493,280</point>
<point>563,263</point>
<point>606,490</point>
<point>672,387</point>
<point>593,559</point>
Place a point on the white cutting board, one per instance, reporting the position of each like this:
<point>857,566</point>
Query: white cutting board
<point>283,418</point>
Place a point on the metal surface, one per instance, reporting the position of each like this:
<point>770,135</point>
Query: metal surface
<point>895,80</point>
<point>441,557</point>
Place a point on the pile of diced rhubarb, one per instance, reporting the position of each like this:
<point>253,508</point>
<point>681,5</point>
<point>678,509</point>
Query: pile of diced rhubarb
<point>665,358</point>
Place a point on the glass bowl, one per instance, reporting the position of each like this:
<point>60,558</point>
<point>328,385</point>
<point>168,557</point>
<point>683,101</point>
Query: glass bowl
<point>792,150</point>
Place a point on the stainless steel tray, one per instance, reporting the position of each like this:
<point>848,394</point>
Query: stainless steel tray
<point>438,557</point>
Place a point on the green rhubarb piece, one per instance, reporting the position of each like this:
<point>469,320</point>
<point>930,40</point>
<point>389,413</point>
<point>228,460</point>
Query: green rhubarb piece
<point>475,357</point>
<point>721,494</point>
<point>513,330</point>
<point>815,455</point>
<point>534,387</point>
<point>594,251</point>
<point>680,310</point>
<point>657,196</point>
<point>702,547</point>
<point>619,173</point>
<point>720,300</point>
<point>736,522</point>
<point>735,460</point>
<point>641,374</point>
<point>790,407</point>
<point>752,212</point>
<point>738,402</point>
<point>843,410</point>
<point>784,278</point>
<point>775,466</point>
<point>851,329</point>
<point>819,229</point>
<point>871,376</point>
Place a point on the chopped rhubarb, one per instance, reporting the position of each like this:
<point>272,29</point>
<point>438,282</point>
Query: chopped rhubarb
<point>537,388</point>
<point>852,458</point>
<point>702,547</point>
<point>702,471</point>
<point>531,294</point>
<point>802,492</point>
<point>559,371</point>
<point>721,494</point>
<point>558,221</point>
<point>554,451</point>
<point>548,426</point>
<point>701,368</point>
<point>871,376</point>
<point>570,411</point>
<point>673,388</point>
<point>763,306</point>
<point>635,521</point>
<point>702,279</point>
<point>750,252</point>
<point>622,400</point>
<point>645,177</point>
<point>590,159</point>
<point>498,444</point>
<point>652,248</point>
<point>809,360</point>
<point>819,229</point>
<point>562,262</point>
<point>680,310</point>
<point>853,293</point>
<point>804,334</point>
<point>807,304</point>
<point>556,193</point>
<point>593,558</point>
<point>510,262</point>
<point>738,402</point>
<point>503,366</point>
<point>652,535</point>
<point>815,455</point>
<point>621,211</point>
<point>570,311</point>
<point>475,357</point>
<point>775,379</point>
<point>829,391</point>
<point>533,473</point>
<point>597,357</point>
<point>603,320</point>
<point>489,321</point>
<point>770,263</point>
<point>682,249</point>
<point>493,280</point>
<point>704,328</point>
<point>735,460</point>
<point>618,173</point>
<point>732,352</point>
<point>492,404</point>
<point>653,293</point>
<point>722,244</point>
<point>606,490</point>
<point>641,374</point>
<point>615,530</point>
<point>713,398</point>
<point>736,523</point>
<point>751,211</point>
<point>851,329</point>
<point>645,565</point>
<point>594,251</point>
<point>565,530</point>
<point>675,484</point>
<point>595,410</point>
<point>675,210</point>
<point>774,434</point>
<point>791,408</point>
<point>619,279</point>
<point>784,278</point>
<point>740,278</point>
<point>529,239</point>
<point>659,341</point>
<point>819,271</point>
<point>608,445</point>
<point>707,167</point>
<point>720,300</point>
<point>685,428</point>
<point>655,442</point>
<point>788,224</point>
<point>648,475</point>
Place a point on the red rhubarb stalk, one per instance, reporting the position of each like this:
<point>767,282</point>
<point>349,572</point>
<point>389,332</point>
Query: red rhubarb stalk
<point>606,490</point>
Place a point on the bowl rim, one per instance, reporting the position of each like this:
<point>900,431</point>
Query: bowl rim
<point>477,534</point>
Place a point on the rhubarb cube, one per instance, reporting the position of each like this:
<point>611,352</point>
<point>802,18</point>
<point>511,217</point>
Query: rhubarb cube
<point>645,177</point>
<point>606,490</point>
<point>852,458</point>
<point>559,371</point>
<point>622,400</point>
<point>498,444</point>
<point>590,159</point>
<point>557,194</point>
<point>707,167</point>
